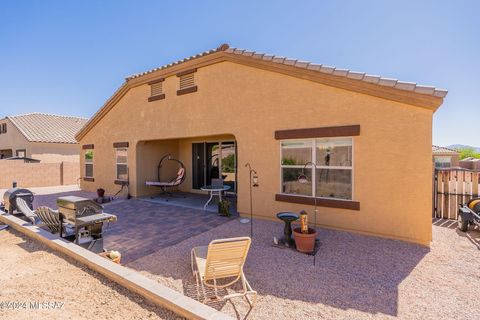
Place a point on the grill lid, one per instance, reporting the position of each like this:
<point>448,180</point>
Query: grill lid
<point>73,203</point>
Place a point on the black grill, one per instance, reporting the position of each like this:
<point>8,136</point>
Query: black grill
<point>10,196</point>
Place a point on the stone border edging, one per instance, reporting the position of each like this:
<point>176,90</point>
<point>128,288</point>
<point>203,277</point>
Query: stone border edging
<point>127,278</point>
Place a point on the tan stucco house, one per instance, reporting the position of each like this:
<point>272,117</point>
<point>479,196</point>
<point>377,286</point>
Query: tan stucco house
<point>45,137</point>
<point>444,157</point>
<point>276,114</point>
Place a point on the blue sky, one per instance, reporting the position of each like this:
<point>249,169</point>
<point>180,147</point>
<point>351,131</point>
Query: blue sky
<point>68,57</point>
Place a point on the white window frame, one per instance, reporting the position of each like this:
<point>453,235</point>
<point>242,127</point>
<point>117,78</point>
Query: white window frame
<point>88,162</point>
<point>120,164</point>
<point>313,171</point>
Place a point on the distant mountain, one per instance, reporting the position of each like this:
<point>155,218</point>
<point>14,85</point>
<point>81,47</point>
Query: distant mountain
<point>463,146</point>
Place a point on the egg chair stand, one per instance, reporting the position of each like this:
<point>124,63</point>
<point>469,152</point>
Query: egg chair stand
<point>168,187</point>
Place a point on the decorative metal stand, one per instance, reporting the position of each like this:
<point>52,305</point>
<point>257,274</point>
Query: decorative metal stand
<point>253,183</point>
<point>304,179</point>
<point>286,242</point>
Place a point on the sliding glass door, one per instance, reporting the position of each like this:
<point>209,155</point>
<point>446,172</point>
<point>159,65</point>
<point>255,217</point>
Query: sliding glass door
<point>214,160</point>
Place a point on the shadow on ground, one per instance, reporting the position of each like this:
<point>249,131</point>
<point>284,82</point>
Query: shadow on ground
<point>472,234</point>
<point>351,271</point>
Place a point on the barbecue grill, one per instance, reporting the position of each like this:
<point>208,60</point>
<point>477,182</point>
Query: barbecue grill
<point>87,217</point>
<point>11,195</point>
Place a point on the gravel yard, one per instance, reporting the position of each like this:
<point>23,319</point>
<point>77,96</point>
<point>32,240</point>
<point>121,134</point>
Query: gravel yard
<point>355,277</point>
<point>31,272</point>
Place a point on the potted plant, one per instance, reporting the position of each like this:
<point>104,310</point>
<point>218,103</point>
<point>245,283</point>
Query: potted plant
<point>304,236</point>
<point>224,208</point>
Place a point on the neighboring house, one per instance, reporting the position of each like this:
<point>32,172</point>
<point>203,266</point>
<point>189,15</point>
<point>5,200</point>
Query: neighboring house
<point>39,136</point>
<point>234,106</point>
<point>470,163</point>
<point>444,157</point>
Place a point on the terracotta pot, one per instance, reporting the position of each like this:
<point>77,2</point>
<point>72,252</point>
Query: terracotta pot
<point>100,193</point>
<point>305,242</point>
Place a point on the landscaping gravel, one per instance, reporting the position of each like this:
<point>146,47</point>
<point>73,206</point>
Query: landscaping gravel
<point>355,276</point>
<point>36,283</point>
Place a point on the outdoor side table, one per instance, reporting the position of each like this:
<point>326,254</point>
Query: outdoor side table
<point>214,191</point>
<point>288,218</point>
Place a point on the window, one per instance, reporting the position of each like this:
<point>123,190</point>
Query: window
<point>21,153</point>
<point>333,158</point>
<point>3,128</point>
<point>121,163</point>
<point>156,90</point>
<point>443,161</point>
<point>89,163</point>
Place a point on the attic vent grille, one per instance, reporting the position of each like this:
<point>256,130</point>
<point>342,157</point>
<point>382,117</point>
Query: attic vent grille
<point>187,81</point>
<point>156,89</point>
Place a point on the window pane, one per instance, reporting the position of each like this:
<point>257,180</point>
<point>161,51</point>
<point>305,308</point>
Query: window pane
<point>88,170</point>
<point>334,183</point>
<point>334,152</point>
<point>122,172</point>
<point>296,152</point>
<point>121,155</point>
<point>89,156</point>
<point>228,164</point>
<point>291,185</point>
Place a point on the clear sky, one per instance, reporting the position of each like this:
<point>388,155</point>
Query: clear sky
<point>68,57</point>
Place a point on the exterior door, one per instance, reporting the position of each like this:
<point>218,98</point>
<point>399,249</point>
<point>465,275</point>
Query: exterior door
<point>214,160</point>
<point>198,165</point>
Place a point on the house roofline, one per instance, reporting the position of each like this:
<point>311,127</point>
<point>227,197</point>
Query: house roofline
<point>391,89</point>
<point>25,135</point>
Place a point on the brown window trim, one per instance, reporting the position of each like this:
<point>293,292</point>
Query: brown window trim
<point>187,90</point>
<point>121,182</point>
<point>339,131</point>
<point>186,72</point>
<point>157,97</point>
<point>321,202</point>
<point>88,146</point>
<point>120,144</point>
<point>156,81</point>
<point>88,179</point>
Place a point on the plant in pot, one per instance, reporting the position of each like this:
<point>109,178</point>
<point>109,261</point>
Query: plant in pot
<point>224,208</point>
<point>304,236</point>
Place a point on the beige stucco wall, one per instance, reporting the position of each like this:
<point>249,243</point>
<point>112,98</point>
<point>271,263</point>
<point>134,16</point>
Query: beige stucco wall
<point>13,139</point>
<point>53,152</point>
<point>392,186</point>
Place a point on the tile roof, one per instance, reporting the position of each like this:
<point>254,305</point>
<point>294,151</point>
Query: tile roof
<point>346,73</point>
<point>41,127</point>
<point>438,149</point>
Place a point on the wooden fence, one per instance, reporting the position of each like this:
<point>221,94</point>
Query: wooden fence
<point>452,188</point>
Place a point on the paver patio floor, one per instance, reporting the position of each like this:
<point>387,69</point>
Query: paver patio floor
<point>144,226</point>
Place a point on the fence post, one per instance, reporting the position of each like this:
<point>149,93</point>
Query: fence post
<point>61,173</point>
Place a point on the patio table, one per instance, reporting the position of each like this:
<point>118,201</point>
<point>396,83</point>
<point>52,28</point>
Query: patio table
<point>214,190</point>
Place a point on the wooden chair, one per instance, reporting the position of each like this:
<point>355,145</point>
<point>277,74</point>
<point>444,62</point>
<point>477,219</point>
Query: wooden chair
<point>223,259</point>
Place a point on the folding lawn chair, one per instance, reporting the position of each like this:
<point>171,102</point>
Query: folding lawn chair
<point>222,259</point>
